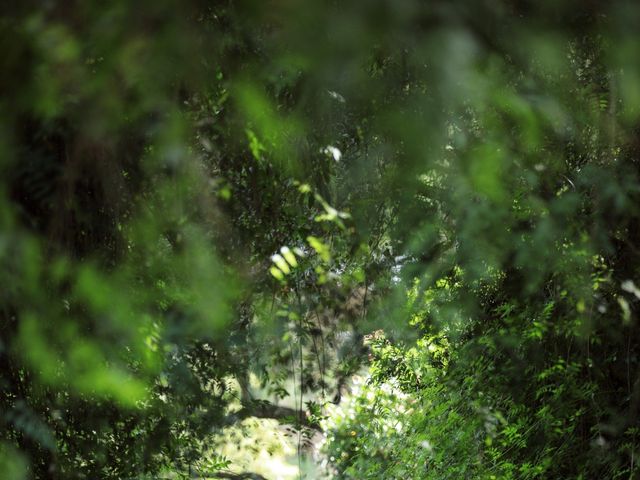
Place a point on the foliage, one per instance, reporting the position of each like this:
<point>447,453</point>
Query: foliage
<point>217,212</point>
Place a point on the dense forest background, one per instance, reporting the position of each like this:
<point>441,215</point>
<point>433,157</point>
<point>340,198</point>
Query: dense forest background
<point>382,239</point>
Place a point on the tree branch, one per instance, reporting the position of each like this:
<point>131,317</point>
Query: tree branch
<point>264,409</point>
<point>236,476</point>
